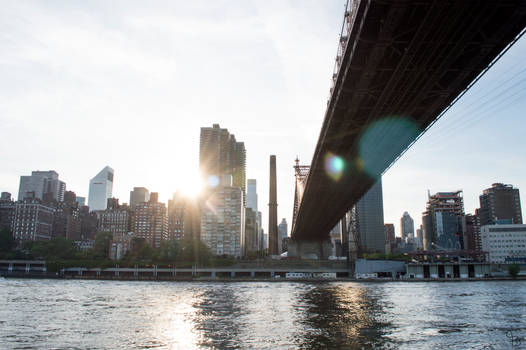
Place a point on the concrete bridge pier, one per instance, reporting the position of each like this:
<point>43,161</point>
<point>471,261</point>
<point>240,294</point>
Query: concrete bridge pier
<point>310,249</point>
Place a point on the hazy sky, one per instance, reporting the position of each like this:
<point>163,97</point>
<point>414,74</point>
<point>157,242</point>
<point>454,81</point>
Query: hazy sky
<point>85,84</point>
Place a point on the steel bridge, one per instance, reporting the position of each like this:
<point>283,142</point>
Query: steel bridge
<point>400,66</point>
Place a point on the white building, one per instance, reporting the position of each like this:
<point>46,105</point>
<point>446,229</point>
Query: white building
<point>100,189</point>
<point>506,244</point>
<point>223,222</point>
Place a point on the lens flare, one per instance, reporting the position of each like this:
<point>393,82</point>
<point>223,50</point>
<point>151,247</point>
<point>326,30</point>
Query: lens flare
<point>334,166</point>
<point>383,141</point>
<point>213,181</point>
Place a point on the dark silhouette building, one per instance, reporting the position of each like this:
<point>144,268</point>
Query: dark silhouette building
<point>7,211</point>
<point>273,210</point>
<point>184,217</point>
<point>500,203</point>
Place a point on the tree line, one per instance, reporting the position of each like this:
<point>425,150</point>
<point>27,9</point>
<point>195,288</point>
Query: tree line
<point>65,253</point>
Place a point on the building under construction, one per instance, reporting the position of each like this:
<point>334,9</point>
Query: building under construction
<point>442,221</point>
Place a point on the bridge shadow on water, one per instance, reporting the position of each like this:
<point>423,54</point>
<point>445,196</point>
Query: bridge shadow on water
<point>342,317</point>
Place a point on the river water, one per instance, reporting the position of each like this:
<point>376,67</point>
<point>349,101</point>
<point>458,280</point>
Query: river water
<point>66,314</point>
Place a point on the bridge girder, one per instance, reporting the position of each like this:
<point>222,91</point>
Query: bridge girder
<point>400,66</point>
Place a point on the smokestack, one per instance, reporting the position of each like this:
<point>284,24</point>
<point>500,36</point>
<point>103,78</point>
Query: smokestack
<point>273,210</point>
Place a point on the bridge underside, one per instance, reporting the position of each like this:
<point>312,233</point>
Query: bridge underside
<point>402,64</point>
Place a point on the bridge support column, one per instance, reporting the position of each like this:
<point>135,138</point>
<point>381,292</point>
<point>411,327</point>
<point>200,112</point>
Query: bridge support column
<point>309,250</point>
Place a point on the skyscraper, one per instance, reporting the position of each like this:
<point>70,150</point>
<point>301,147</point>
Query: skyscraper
<point>252,203</point>
<point>251,231</point>
<point>252,196</point>
<point>273,210</point>
<point>500,203</point>
<point>220,154</point>
<point>282,233</point>
<point>100,189</point>
<point>442,221</point>
<point>407,226</point>
<point>369,217</point>
<point>223,221</point>
<point>40,183</point>
<point>139,195</point>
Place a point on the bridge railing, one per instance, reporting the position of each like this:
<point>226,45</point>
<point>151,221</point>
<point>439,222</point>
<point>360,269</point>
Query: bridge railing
<point>348,22</point>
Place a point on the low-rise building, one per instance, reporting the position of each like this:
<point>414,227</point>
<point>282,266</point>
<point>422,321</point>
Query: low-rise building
<point>119,246</point>
<point>505,244</point>
<point>445,270</point>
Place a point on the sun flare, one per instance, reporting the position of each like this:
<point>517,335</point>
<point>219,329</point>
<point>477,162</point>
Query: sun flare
<point>190,185</point>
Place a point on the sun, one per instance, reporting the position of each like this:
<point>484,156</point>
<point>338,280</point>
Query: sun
<point>190,185</point>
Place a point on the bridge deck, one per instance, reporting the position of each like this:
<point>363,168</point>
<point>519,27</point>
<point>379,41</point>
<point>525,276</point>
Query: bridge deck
<point>402,64</point>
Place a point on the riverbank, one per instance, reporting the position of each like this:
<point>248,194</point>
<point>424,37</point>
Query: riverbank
<point>244,279</point>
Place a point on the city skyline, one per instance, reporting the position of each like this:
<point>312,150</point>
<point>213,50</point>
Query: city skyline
<point>154,98</point>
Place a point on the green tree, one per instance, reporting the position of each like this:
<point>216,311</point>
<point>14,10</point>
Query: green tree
<point>169,251</point>
<point>514,270</point>
<point>140,249</point>
<point>58,248</point>
<point>195,251</point>
<point>7,242</point>
<point>101,247</point>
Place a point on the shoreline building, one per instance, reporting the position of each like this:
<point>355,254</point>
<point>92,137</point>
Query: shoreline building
<point>184,217</point>
<point>442,221</point>
<point>116,219</point>
<point>33,221</point>
<point>366,223</point>
<point>505,244</point>
<point>41,183</point>
<point>220,154</point>
<point>100,189</point>
<point>7,211</point>
<point>471,225</point>
<point>223,220</point>
<point>151,222</point>
<point>500,203</point>
<point>68,222</point>
<point>222,162</point>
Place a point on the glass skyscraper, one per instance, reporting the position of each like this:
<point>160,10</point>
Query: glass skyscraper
<point>100,189</point>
